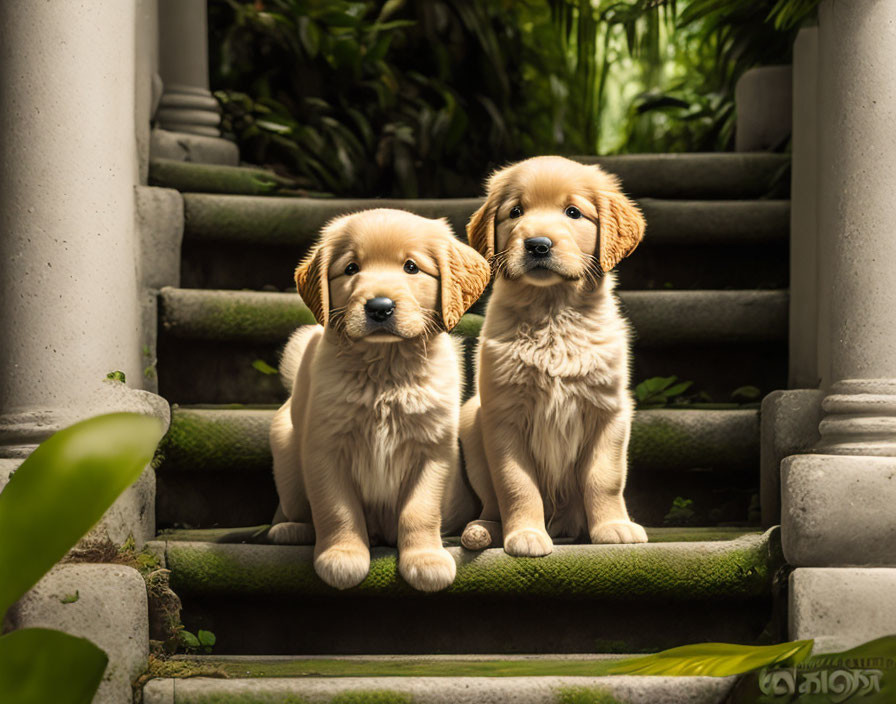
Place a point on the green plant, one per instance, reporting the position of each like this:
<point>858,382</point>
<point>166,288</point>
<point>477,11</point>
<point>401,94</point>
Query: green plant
<point>681,513</point>
<point>53,498</point>
<point>714,659</point>
<point>200,643</point>
<point>658,391</point>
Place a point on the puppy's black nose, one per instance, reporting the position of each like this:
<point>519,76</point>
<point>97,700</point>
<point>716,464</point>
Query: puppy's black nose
<point>538,247</point>
<point>379,308</point>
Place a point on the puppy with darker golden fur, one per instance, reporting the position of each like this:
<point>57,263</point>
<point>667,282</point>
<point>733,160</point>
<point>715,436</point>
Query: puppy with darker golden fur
<point>545,438</point>
<point>366,446</point>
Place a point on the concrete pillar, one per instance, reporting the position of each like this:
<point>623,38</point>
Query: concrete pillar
<point>837,503</point>
<point>188,115</point>
<point>68,167</point>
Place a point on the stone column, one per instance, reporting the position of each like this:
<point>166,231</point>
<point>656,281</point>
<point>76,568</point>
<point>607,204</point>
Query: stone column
<point>188,115</point>
<point>837,504</point>
<point>70,298</point>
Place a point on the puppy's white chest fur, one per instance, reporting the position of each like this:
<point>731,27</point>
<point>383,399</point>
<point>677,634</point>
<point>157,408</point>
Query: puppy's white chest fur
<point>567,371</point>
<point>392,410</point>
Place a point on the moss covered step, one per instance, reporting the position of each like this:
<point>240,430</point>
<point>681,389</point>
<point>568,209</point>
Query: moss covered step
<point>471,682</point>
<point>267,599</point>
<point>254,242</point>
<point>216,467</point>
<point>659,318</point>
<point>721,340</point>
<point>213,178</point>
<point>701,176</point>
<point>297,221</point>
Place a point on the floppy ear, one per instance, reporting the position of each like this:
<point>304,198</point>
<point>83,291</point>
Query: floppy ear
<point>464,275</point>
<point>621,227</point>
<point>481,227</point>
<point>312,281</point>
<point>481,230</point>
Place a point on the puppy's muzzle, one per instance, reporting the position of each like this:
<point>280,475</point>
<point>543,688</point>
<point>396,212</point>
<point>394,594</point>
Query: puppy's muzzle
<point>538,247</point>
<point>379,309</point>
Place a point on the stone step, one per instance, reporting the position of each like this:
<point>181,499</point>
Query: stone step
<point>254,242</point>
<point>696,176</point>
<point>719,339</point>
<point>265,680</point>
<point>241,242</point>
<point>267,599</point>
<point>216,466</point>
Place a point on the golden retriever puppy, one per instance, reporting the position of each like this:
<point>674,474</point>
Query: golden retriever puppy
<point>545,438</point>
<point>366,446</point>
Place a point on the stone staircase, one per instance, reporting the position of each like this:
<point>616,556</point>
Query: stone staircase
<point>706,294</point>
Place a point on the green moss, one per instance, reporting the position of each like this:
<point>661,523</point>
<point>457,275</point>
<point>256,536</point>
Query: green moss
<point>409,667</point>
<point>585,695</point>
<point>469,325</point>
<point>200,439</point>
<point>209,178</point>
<point>373,696</point>
<point>258,535</point>
<point>733,569</point>
<point>235,317</point>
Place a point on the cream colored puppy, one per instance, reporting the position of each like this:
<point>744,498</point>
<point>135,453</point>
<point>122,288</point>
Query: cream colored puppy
<point>545,439</point>
<point>366,447</point>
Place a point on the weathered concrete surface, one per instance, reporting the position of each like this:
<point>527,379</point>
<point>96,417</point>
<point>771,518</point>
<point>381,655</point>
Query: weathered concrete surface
<point>160,227</point>
<point>764,98</point>
<point>103,603</point>
<point>803,342</point>
<point>857,49</point>
<point>842,607</point>
<point>192,147</point>
<point>444,690</point>
<point>68,162</point>
<point>838,510</point>
<point>789,421</point>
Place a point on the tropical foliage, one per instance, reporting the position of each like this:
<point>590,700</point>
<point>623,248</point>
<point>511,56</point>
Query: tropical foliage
<point>51,501</point>
<point>421,97</point>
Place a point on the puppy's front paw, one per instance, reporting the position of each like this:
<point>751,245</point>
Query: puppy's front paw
<point>427,570</point>
<point>528,542</point>
<point>479,535</point>
<point>343,567</point>
<point>618,532</point>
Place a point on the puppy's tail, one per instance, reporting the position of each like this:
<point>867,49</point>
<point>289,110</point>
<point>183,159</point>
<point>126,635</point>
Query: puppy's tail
<point>294,351</point>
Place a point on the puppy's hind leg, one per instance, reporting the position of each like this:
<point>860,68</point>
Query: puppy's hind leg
<point>286,532</point>
<point>485,532</point>
<point>292,520</point>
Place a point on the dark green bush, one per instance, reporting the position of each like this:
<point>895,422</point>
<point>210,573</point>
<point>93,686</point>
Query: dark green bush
<point>419,98</point>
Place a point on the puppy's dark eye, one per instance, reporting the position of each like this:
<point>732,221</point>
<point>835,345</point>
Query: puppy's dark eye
<point>352,269</point>
<point>410,266</point>
<point>573,212</point>
<point>516,211</point>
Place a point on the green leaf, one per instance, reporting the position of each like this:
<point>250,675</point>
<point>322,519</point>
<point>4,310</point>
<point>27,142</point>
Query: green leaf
<point>206,638</point>
<point>188,639</point>
<point>39,665</point>
<point>678,389</point>
<point>714,659</point>
<point>63,489</point>
<point>71,598</point>
<point>750,393</point>
<point>263,367</point>
<point>116,376</point>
